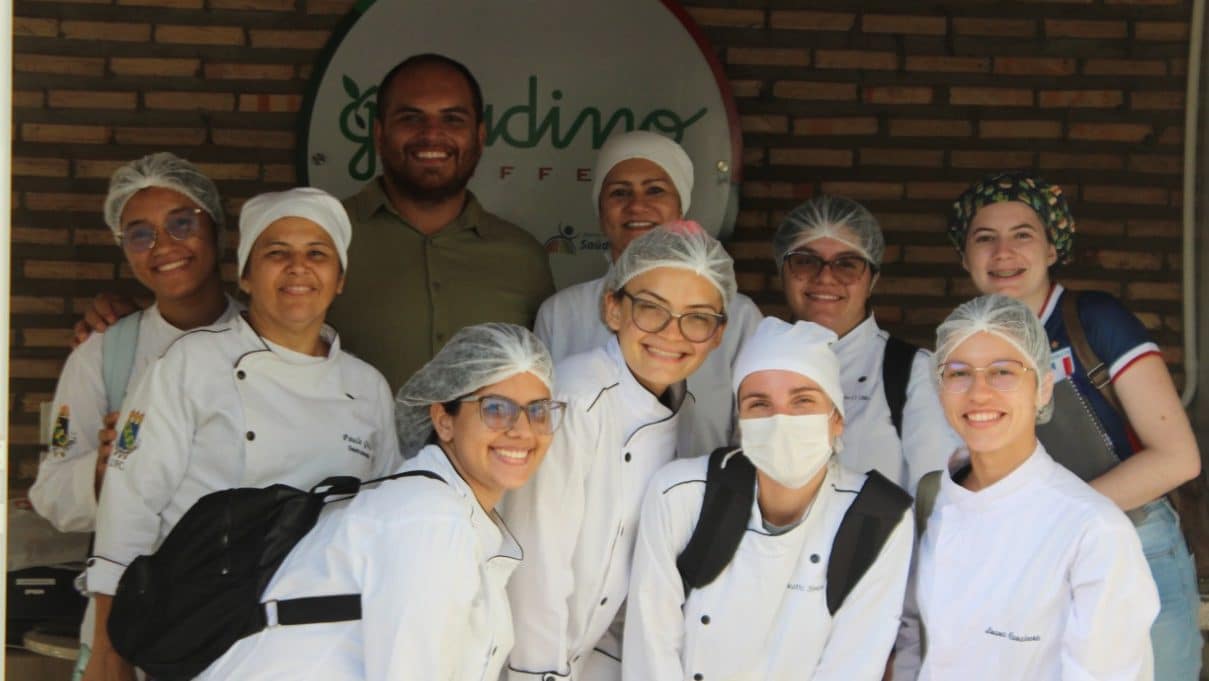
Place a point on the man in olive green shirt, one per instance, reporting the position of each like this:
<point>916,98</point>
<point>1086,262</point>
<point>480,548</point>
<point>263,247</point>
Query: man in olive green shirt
<point>426,259</point>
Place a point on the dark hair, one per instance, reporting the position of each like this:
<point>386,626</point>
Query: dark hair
<point>451,407</point>
<point>431,59</point>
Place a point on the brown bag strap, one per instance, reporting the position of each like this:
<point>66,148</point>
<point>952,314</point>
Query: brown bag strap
<point>1097,370</point>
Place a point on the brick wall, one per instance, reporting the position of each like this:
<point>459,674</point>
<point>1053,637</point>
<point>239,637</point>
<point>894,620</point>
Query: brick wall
<point>895,104</point>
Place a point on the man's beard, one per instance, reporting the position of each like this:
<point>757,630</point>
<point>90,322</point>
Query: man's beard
<point>415,187</point>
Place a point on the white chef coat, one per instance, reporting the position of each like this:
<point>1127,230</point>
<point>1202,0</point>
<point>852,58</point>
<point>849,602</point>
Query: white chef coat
<point>64,492</point>
<point>578,517</point>
<point>870,441</point>
<point>765,617</point>
<point>1036,577</point>
<point>569,323</point>
<point>225,408</point>
<point>430,565</point>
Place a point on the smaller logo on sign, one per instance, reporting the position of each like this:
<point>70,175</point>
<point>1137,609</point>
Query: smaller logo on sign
<point>1063,364</point>
<point>563,242</point>
<point>128,440</point>
<point>60,438</point>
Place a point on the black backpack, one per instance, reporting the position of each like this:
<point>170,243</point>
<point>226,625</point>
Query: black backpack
<point>178,610</point>
<point>726,509</point>
<point>896,374</point>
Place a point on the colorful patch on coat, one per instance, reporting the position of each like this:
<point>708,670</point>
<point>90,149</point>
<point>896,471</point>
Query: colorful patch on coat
<point>128,439</point>
<point>60,437</point>
<point>1063,363</point>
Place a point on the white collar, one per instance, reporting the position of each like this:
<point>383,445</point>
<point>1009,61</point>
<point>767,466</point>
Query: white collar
<point>493,534</point>
<point>857,337</point>
<point>1036,466</point>
<point>1051,302</point>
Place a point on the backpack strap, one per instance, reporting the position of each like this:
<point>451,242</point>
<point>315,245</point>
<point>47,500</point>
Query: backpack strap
<point>925,500</point>
<point>866,526</point>
<point>896,373</point>
<point>118,344</point>
<point>1097,370</point>
<point>725,512</point>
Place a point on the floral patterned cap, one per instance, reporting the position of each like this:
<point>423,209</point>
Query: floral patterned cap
<point>1044,198</point>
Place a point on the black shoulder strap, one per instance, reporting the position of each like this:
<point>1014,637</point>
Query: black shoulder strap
<point>1097,370</point>
<point>866,525</point>
<point>896,373</point>
<point>725,512</point>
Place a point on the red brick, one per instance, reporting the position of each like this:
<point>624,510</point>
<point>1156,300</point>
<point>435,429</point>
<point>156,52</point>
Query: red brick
<point>58,269</point>
<point>35,305</point>
<point>1129,260</point>
<point>929,222</point>
<point>1110,132</point>
<point>864,190</point>
<point>896,94</point>
<point>985,96</point>
<point>1125,67</point>
<point>270,103</point>
<point>237,71</point>
<point>799,89</point>
<point>835,126</point>
<point>912,286</point>
<point>855,59</point>
<point>173,4</point>
<point>768,56</point>
<point>1153,290</point>
<point>930,255</point>
<point>768,190</point>
<point>1153,228</point>
<point>25,367</point>
<point>995,28</point>
<point>28,99</point>
<point>106,30</point>
<point>1100,227</point>
<point>281,172</point>
<point>230,171</point>
<point>182,101</point>
<point>297,39</point>
<point>91,168</point>
<point>266,139</point>
<point>943,191</point>
<point>948,64</point>
<point>199,35</point>
<point>916,158</point>
<point>838,158</point>
<point>38,235</point>
<point>743,89</point>
<point>1088,99</point>
<point>50,132</point>
<point>1168,164</point>
<point>35,28</point>
<point>1130,194</point>
<point>1081,161</point>
<point>1034,66</point>
<point>1172,134</point>
<point>732,18</point>
<point>91,99</point>
<point>1079,28</point>
<point>57,201</point>
<point>255,5</point>
<point>340,7</point>
<point>1142,2</point>
<point>1160,100</point>
<point>990,160</point>
<point>68,66</point>
<point>911,127</point>
<point>904,23</point>
<point>145,66</point>
<point>1019,129</point>
<point>764,124</point>
<point>40,167</point>
<point>46,338</point>
<point>160,136</point>
<point>813,21</point>
<point>1174,31</point>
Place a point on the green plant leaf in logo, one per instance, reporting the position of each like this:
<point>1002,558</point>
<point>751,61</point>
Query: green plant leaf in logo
<point>356,125</point>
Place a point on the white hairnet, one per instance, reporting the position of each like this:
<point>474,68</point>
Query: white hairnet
<point>312,204</point>
<point>830,216</point>
<point>802,347</point>
<point>683,245</point>
<point>168,171</point>
<point>1008,319</point>
<point>476,356</point>
<point>652,147</point>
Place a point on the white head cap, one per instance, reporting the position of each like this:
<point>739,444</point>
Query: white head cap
<point>836,217</point>
<point>1008,319</point>
<point>167,171</point>
<point>476,356</point>
<point>312,204</point>
<point>802,347</point>
<point>682,245</point>
<point>655,148</point>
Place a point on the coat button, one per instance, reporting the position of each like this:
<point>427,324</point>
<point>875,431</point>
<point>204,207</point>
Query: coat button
<point>604,600</point>
<point>705,619</point>
<point>698,676</point>
<point>627,457</point>
<point>240,374</point>
<point>814,558</point>
<point>251,436</point>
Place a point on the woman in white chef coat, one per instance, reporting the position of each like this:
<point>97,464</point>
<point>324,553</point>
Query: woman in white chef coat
<point>766,615</point>
<point>429,558</point>
<point>643,179</point>
<point>1024,571</point>
<point>268,398</point>
<point>666,305</point>
<point>167,217</point>
<point>829,253</point>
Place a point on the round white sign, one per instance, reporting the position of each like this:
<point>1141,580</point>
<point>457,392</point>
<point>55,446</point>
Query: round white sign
<point>558,78</point>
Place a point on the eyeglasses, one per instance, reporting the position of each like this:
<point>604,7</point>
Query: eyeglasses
<point>1003,375</point>
<point>651,317</point>
<point>180,224</point>
<point>500,413</point>
<point>846,269</point>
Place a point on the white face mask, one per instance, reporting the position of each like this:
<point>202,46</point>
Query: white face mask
<point>789,448</point>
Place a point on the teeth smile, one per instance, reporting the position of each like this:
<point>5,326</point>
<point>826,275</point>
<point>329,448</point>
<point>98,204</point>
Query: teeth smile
<point>664,354</point>
<point>822,296</point>
<point>1003,274</point>
<point>982,416</point>
<point>431,155</point>
<point>513,454</point>
<point>175,265</point>
<point>297,289</point>
<point>638,224</point>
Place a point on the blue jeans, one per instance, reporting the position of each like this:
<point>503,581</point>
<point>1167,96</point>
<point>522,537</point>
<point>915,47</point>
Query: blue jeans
<point>1176,634</point>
